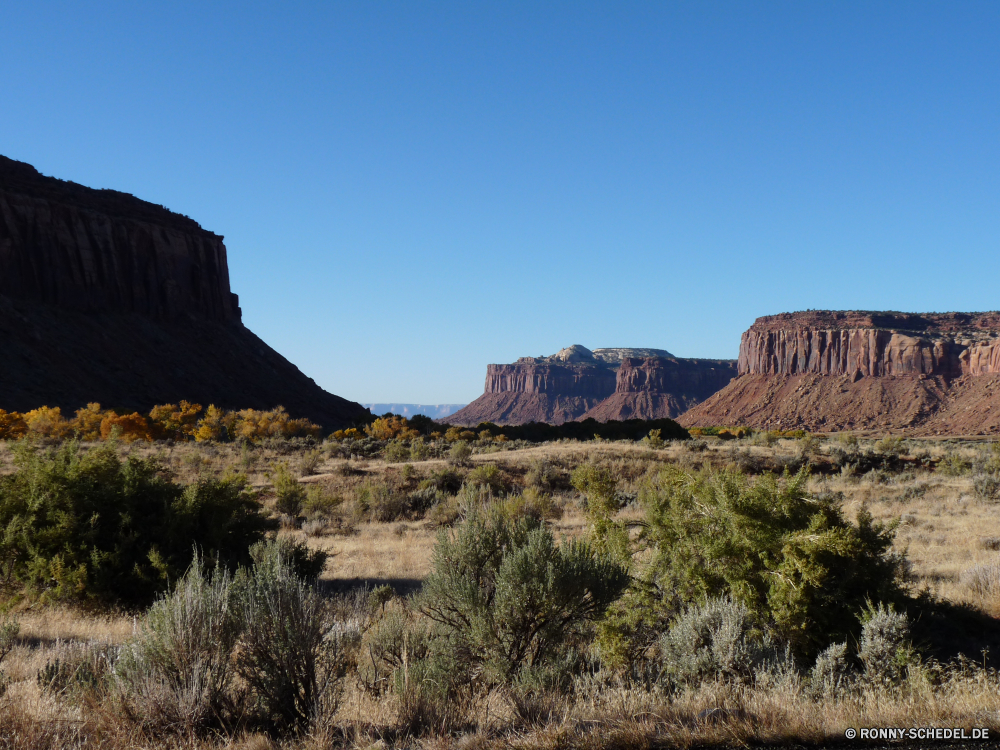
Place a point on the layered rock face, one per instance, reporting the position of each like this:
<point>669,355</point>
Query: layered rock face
<point>658,387</point>
<point>861,370</point>
<point>606,384</point>
<point>105,297</point>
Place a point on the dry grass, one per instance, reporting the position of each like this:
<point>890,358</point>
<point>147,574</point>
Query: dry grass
<point>945,530</point>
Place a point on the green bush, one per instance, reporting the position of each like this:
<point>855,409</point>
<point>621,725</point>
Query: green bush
<point>790,558</point>
<point>509,596</point>
<point>397,451</point>
<point>488,475</point>
<point>87,524</point>
<point>459,453</point>
<point>289,493</point>
<point>884,648</point>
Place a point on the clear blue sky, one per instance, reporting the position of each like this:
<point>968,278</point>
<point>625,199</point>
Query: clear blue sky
<point>410,191</point>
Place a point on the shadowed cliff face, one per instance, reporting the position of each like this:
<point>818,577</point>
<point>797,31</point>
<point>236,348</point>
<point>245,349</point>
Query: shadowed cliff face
<point>105,297</point>
<point>831,370</point>
<point>99,250</point>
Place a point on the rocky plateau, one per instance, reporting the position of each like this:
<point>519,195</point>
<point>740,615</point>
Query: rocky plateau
<point>922,373</point>
<point>105,297</point>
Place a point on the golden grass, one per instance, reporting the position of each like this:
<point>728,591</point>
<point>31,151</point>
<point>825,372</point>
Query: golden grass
<point>943,527</point>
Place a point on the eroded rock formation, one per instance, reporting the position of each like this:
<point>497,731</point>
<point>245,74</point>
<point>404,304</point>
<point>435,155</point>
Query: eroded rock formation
<point>605,384</point>
<point>105,297</point>
<point>863,370</point>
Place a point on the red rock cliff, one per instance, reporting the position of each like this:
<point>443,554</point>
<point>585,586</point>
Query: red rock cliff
<point>872,344</point>
<point>930,373</point>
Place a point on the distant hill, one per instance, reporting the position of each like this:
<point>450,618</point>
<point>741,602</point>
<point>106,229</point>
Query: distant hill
<point>434,411</point>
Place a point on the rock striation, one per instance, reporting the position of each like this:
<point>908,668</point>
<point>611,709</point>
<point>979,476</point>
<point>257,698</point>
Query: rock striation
<point>106,297</point>
<point>826,370</point>
<point>661,387</point>
<point>606,384</point>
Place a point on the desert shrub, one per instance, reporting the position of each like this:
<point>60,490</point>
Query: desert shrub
<point>9,630</point>
<point>953,464</point>
<point>488,475</point>
<point>889,446</point>
<point>378,502</point>
<point>177,671</point>
<point>397,451</point>
<point>544,476</point>
<point>531,502</point>
<point>884,458</point>
<point>510,597</point>
<point>446,480</point>
<point>79,671</point>
<point>459,453</point>
<point>309,462</point>
<point>716,640</point>
<point>90,525</point>
<point>319,501</point>
<point>790,558</point>
<point>174,421</point>
<point>884,648</point>
<point>12,425</point>
<point>289,657</point>
<point>831,673</point>
<point>396,639</point>
<point>420,500</point>
<point>602,502</point>
<point>983,580</point>
<point>47,422</point>
<point>445,512</point>
<point>288,491</point>
<point>653,439</point>
<point>986,485</point>
<point>419,450</point>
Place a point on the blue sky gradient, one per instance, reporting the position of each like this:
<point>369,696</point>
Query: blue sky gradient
<point>410,191</point>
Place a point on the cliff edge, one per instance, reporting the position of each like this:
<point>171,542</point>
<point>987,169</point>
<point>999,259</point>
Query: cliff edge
<point>927,373</point>
<point>106,297</point>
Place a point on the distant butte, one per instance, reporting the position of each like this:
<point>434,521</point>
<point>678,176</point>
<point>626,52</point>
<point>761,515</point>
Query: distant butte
<point>105,297</point>
<point>606,384</point>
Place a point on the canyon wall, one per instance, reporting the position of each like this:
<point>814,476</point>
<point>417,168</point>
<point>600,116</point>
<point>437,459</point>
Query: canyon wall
<point>828,370</point>
<point>606,384</point>
<point>105,297</point>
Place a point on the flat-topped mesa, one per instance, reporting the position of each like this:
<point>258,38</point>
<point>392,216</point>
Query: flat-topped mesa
<point>578,383</point>
<point>923,373</point>
<point>108,298</point>
<point>871,344</point>
<point>78,248</point>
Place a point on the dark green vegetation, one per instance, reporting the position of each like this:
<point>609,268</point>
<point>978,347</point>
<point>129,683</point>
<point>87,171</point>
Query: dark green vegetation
<point>89,525</point>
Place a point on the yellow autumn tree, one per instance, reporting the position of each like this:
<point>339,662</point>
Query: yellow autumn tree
<point>217,424</point>
<point>254,425</point>
<point>47,421</point>
<point>176,421</point>
<point>391,428</point>
<point>127,427</point>
<point>12,425</point>
<point>87,423</point>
